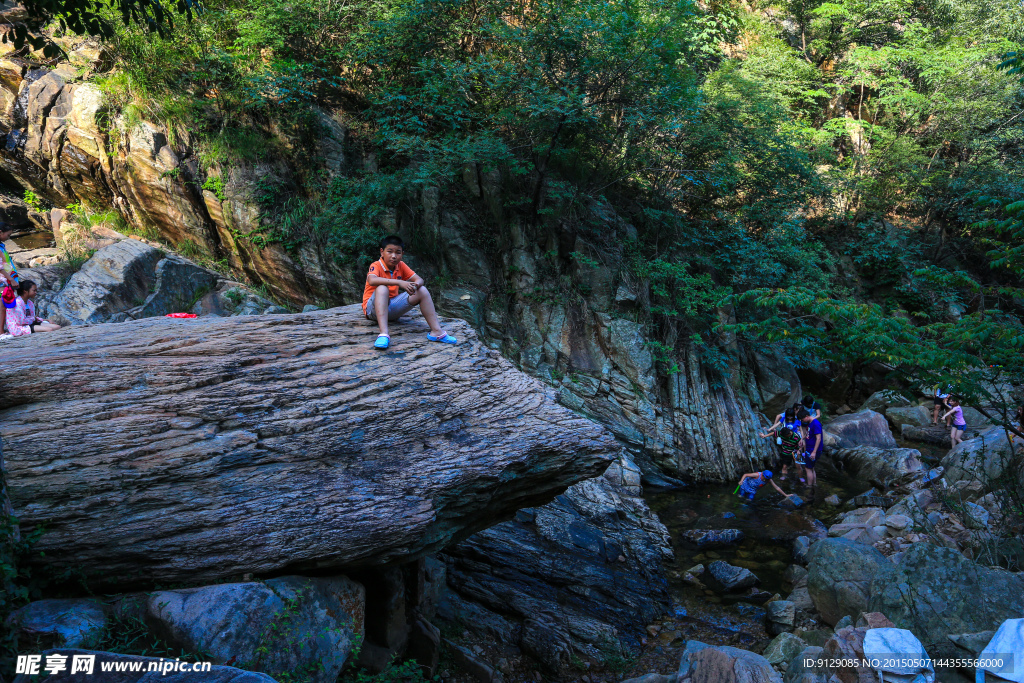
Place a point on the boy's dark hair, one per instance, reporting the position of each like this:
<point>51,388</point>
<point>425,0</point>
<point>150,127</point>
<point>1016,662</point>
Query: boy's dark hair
<point>787,432</point>
<point>6,227</point>
<point>24,286</point>
<point>808,401</point>
<point>392,239</point>
<point>803,413</point>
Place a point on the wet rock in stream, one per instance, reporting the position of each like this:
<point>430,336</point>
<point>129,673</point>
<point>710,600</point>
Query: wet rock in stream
<point>713,538</point>
<point>725,577</point>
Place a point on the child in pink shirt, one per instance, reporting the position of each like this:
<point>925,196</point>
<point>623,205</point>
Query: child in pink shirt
<point>956,432</point>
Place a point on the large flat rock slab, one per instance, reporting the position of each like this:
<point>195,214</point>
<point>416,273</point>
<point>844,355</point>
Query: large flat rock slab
<point>199,450</point>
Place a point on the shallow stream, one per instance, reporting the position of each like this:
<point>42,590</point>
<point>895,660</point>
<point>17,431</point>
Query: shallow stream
<point>34,240</point>
<point>766,550</point>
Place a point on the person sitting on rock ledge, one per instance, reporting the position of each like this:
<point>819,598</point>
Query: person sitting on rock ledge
<point>393,289</point>
<point>22,319</point>
<point>751,482</point>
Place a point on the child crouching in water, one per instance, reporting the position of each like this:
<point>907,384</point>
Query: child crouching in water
<point>751,482</point>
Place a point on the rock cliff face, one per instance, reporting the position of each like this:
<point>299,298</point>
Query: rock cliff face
<point>580,575</point>
<point>198,450</point>
<point>63,142</point>
<point>695,422</point>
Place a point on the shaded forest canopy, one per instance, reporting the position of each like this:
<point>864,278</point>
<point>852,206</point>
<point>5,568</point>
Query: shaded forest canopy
<point>846,175</point>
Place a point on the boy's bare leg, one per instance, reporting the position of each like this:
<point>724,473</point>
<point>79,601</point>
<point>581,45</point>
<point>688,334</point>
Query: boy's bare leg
<point>380,307</point>
<point>426,304</point>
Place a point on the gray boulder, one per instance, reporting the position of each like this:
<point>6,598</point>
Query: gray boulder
<point>121,670</point>
<point>936,436</point>
<point>60,623</point>
<point>802,668</point>
<point>178,285</point>
<point>780,616</point>
<point>723,664</point>
<point>882,401</point>
<point>863,428</point>
<point>117,277</point>
<point>464,302</point>
<point>934,591</point>
<point>130,279</point>
<point>839,577</point>
<point>984,458</point>
<point>232,445</point>
<point>713,538</point>
<point>783,648</point>
<point>723,576</point>
<point>972,643</point>
<point>801,548</point>
<point>916,416</point>
<point>974,417</point>
<point>582,574</point>
<point>296,625</point>
<point>880,466</point>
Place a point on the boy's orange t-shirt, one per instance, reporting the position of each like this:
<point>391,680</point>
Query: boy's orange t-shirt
<point>402,272</point>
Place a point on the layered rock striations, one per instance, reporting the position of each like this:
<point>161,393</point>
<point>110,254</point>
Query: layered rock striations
<point>582,574</point>
<point>64,140</point>
<point>179,450</point>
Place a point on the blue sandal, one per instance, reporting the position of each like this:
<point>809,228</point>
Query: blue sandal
<point>444,338</point>
<point>382,342</point>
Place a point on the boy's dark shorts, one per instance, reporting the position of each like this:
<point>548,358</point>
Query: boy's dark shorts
<point>809,462</point>
<point>939,401</point>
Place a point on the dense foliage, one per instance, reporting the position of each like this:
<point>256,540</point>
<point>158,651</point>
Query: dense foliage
<point>845,174</point>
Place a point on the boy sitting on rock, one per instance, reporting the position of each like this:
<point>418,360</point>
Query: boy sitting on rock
<point>393,289</point>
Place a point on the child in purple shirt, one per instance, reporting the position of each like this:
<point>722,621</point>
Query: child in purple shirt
<point>956,430</point>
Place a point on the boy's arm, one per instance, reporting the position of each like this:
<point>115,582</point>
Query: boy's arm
<point>376,281</point>
<point>778,489</point>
